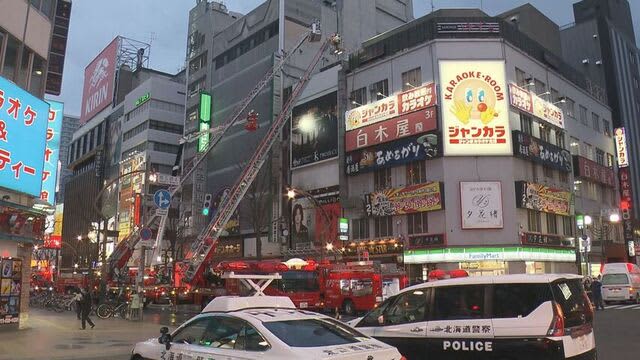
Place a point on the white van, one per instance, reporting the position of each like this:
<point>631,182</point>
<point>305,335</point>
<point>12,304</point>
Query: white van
<point>621,282</point>
<point>506,317</point>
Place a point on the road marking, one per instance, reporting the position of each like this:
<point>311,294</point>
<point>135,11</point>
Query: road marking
<point>627,306</point>
<point>612,306</point>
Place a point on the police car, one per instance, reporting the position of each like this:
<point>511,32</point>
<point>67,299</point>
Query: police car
<point>507,317</point>
<point>262,327</point>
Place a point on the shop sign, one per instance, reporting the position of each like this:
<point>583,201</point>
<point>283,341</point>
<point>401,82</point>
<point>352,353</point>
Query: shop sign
<point>481,205</point>
<point>593,171</point>
<point>631,248</point>
<point>468,28</point>
<point>536,106</point>
<point>475,112</point>
<point>621,147</point>
<point>403,103</point>
<point>52,152</point>
<point>343,229</point>
<point>228,248</point>
<point>373,248</point>
<point>10,290</point>
<point>426,241</point>
<point>143,99</point>
<point>529,238</point>
<point>415,123</point>
<point>512,253</point>
<point>529,148</point>
<point>387,155</point>
<point>406,200</point>
<point>542,198</point>
<point>626,202</point>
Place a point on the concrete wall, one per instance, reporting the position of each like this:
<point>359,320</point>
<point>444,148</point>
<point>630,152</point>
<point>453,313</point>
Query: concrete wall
<point>13,17</point>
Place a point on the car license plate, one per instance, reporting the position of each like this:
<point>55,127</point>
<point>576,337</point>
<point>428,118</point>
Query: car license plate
<point>304,305</point>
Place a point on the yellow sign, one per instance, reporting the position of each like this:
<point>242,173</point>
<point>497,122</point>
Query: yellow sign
<point>475,108</point>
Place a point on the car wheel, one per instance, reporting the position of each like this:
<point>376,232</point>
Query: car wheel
<point>348,307</point>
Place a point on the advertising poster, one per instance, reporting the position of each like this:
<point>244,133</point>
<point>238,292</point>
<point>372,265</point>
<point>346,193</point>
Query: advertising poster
<point>475,109</point>
<point>23,132</point>
<point>314,131</point>
<point>481,205</point>
<point>10,290</point>
<point>5,287</point>
<point>542,198</point>
<point>129,187</point>
<point>397,153</point>
<point>405,200</point>
<point>52,152</point>
<point>7,268</point>
<point>536,106</point>
<point>529,148</point>
<point>99,78</point>
<point>415,123</point>
<point>307,231</point>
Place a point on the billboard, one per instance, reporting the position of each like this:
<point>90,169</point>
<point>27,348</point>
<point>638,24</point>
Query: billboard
<point>481,205</point>
<point>405,200</point>
<point>52,152</point>
<point>621,147</point>
<point>309,227</point>
<point>23,129</point>
<point>314,131</point>
<point>99,79</point>
<point>536,106</point>
<point>403,103</point>
<point>588,169</point>
<point>475,112</point>
<point>414,123</point>
<point>400,152</point>
<point>129,186</point>
<point>533,149</point>
<point>542,198</point>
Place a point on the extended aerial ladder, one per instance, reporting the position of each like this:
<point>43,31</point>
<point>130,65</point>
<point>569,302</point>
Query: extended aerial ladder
<point>206,241</point>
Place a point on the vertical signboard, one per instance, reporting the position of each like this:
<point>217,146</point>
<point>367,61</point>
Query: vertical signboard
<point>99,82</point>
<point>475,109</point>
<point>205,121</point>
<point>621,147</point>
<point>626,202</point>
<point>52,152</point>
<point>23,129</point>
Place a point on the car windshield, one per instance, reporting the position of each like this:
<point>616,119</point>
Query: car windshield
<point>615,279</point>
<point>314,332</point>
<point>296,281</point>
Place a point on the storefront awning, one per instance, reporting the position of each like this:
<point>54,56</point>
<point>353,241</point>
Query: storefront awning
<point>516,253</point>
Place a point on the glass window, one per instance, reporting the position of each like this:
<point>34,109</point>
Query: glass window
<point>570,295</point>
<point>458,302</point>
<point>600,157</point>
<point>296,281</point>
<point>10,58</point>
<point>595,119</point>
<point>313,332</point>
<point>382,179</point>
<point>37,76</point>
<point>548,172</point>
<point>515,300</point>
<point>193,332</point>
<point>360,228</point>
<point>574,146</point>
<point>615,279</point>
<point>165,126</point>
<point>563,177</point>
<point>570,107</point>
<point>583,115</point>
<point>409,307</point>
<point>552,224</point>
<point>47,8</point>
<point>91,136</point>
<point>526,124</point>
<point>521,77</point>
<point>416,172</point>
<point>359,97</point>
<point>411,78</point>
<point>606,127</point>
<point>372,318</point>
<point>23,77</point>
<point>545,133</point>
<point>567,225</point>
<point>417,223</point>
<point>587,151</point>
<point>540,87</point>
<point>383,226</point>
<point>379,90</point>
<point>533,220</point>
<point>554,95</point>
<point>560,142</point>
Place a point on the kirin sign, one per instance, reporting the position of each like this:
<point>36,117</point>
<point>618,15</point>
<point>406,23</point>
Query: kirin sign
<point>99,78</point>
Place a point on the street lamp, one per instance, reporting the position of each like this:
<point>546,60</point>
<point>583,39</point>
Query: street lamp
<point>291,194</point>
<point>587,220</point>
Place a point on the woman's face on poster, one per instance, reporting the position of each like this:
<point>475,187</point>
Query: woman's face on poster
<point>298,216</point>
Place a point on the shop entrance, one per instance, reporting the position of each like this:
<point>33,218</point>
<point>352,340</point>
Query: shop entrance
<point>484,268</point>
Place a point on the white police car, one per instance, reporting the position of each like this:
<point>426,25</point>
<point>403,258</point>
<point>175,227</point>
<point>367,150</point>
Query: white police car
<point>508,317</point>
<point>262,327</point>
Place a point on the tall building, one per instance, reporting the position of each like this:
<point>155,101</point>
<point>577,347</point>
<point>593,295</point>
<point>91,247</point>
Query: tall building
<point>69,125</point>
<point>227,54</point>
<point>602,44</point>
<point>26,32</point>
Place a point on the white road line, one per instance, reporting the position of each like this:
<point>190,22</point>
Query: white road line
<point>627,306</point>
<point>612,306</point>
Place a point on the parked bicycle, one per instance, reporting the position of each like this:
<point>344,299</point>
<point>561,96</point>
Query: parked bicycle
<point>107,310</point>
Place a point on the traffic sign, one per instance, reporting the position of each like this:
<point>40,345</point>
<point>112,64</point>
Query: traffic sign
<point>146,234</point>
<point>161,212</point>
<point>162,199</point>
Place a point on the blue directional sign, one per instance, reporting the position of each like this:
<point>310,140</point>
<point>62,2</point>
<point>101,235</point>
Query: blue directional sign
<point>162,199</point>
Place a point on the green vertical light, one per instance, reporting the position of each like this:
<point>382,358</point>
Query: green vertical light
<point>205,120</point>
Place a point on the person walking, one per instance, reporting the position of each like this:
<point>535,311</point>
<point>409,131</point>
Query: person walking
<point>596,292</point>
<point>86,308</point>
<point>77,299</point>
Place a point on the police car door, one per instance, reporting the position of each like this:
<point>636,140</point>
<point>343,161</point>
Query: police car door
<point>459,325</point>
<point>403,323</point>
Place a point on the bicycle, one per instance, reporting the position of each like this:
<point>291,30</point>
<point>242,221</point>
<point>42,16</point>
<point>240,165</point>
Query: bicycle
<point>105,311</point>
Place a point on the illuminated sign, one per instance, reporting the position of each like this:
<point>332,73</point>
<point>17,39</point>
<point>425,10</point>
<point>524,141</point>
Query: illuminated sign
<point>23,129</point>
<point>587,169</point>
<point>415,123</point>
<point>343,229</point>
<point>621,147</point>
<point>403,103</point>
<point>475,113</point>
<point>143,99</point>
<point>405,200</point>
<point>458,254</point>
<point>536,106</point>
<point>99,79</point>
<point>52,152</point>
<point>529,238</point>
<point>530,148</point>
<point>542,198</point>
<point>205,120</point>
<point>481,205</point>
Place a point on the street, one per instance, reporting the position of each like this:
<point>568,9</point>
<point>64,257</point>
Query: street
<point>59,335</point>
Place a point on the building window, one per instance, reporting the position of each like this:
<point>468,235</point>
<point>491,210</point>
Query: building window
<point>382,179</point>
<point>99,135</point>
<point>570,107</point>
<point>583,115</point>
<point>567,225</point>
<point>606,128</point>
<point>10,57</point>
<point>411,78</point>
<point>635,82</point>
<point>379,90</point>
<point>92,134</point>
<point>196,86</point>
<point>563,177</point>
<point>540,87</point>
<point>134,150</point>
<point>360,229</point>
<point>135,131</point>
<point>548,172</point>
<point>417,223</point>
<point>533,219</point>
<point>359,97</point>
<point>198,63</point>
<point>167,106</point>
<point>595,122</point>
<point>545,133</point>
<point>37,75</point>
<point>552,225</point>
<point>521,77</point>
<point>383,226</point>
<point>632,56</point>
<point>600,157</point>
<point>162,147</point>
<point>560,140</point>
<point>574,146</point>
<point>23,74</point>
<point>587,151</point>
<point>554,95</point>
<point>416,172</point>
<point>526,124</point>
<point>137,111</point>
<point>165,126</point>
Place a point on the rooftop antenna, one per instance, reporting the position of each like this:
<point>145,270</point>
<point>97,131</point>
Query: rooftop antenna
<point>432,7</point>
<point>152,36</point>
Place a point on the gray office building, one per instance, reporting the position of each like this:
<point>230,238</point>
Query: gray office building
<point>69,125</point>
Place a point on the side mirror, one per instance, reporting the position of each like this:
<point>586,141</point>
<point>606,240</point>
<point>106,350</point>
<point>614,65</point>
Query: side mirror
<point>381,320</point>
<point>165,338</point>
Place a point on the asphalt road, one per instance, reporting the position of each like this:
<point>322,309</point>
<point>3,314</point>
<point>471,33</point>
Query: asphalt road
<point>618,333</point>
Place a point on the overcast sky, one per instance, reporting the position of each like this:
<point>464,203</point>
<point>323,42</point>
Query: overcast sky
<point>163,23</point>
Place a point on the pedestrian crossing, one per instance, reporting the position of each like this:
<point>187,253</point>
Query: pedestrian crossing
<point>622,307</point>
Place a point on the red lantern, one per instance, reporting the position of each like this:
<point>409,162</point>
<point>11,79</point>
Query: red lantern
<point>252,121</point>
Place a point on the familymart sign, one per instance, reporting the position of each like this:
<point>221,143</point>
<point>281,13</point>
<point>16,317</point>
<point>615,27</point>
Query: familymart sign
<point>516,253</point>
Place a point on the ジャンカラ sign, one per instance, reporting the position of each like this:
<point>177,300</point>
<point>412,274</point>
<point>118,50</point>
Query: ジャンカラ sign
<point>536,106</point>
<point>621,147</point>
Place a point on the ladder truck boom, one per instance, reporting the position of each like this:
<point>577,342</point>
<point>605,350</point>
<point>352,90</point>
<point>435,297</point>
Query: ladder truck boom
<point>194,262</point>
<point>123,251</point>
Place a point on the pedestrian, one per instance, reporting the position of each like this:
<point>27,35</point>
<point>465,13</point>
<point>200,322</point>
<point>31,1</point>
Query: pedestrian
<point>86,308</point>
<point>77,299</point>
<point>134,307</point>
<point>596,292</point>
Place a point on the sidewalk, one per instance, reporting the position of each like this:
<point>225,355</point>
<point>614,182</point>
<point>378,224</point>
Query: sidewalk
<point>59,337</point>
